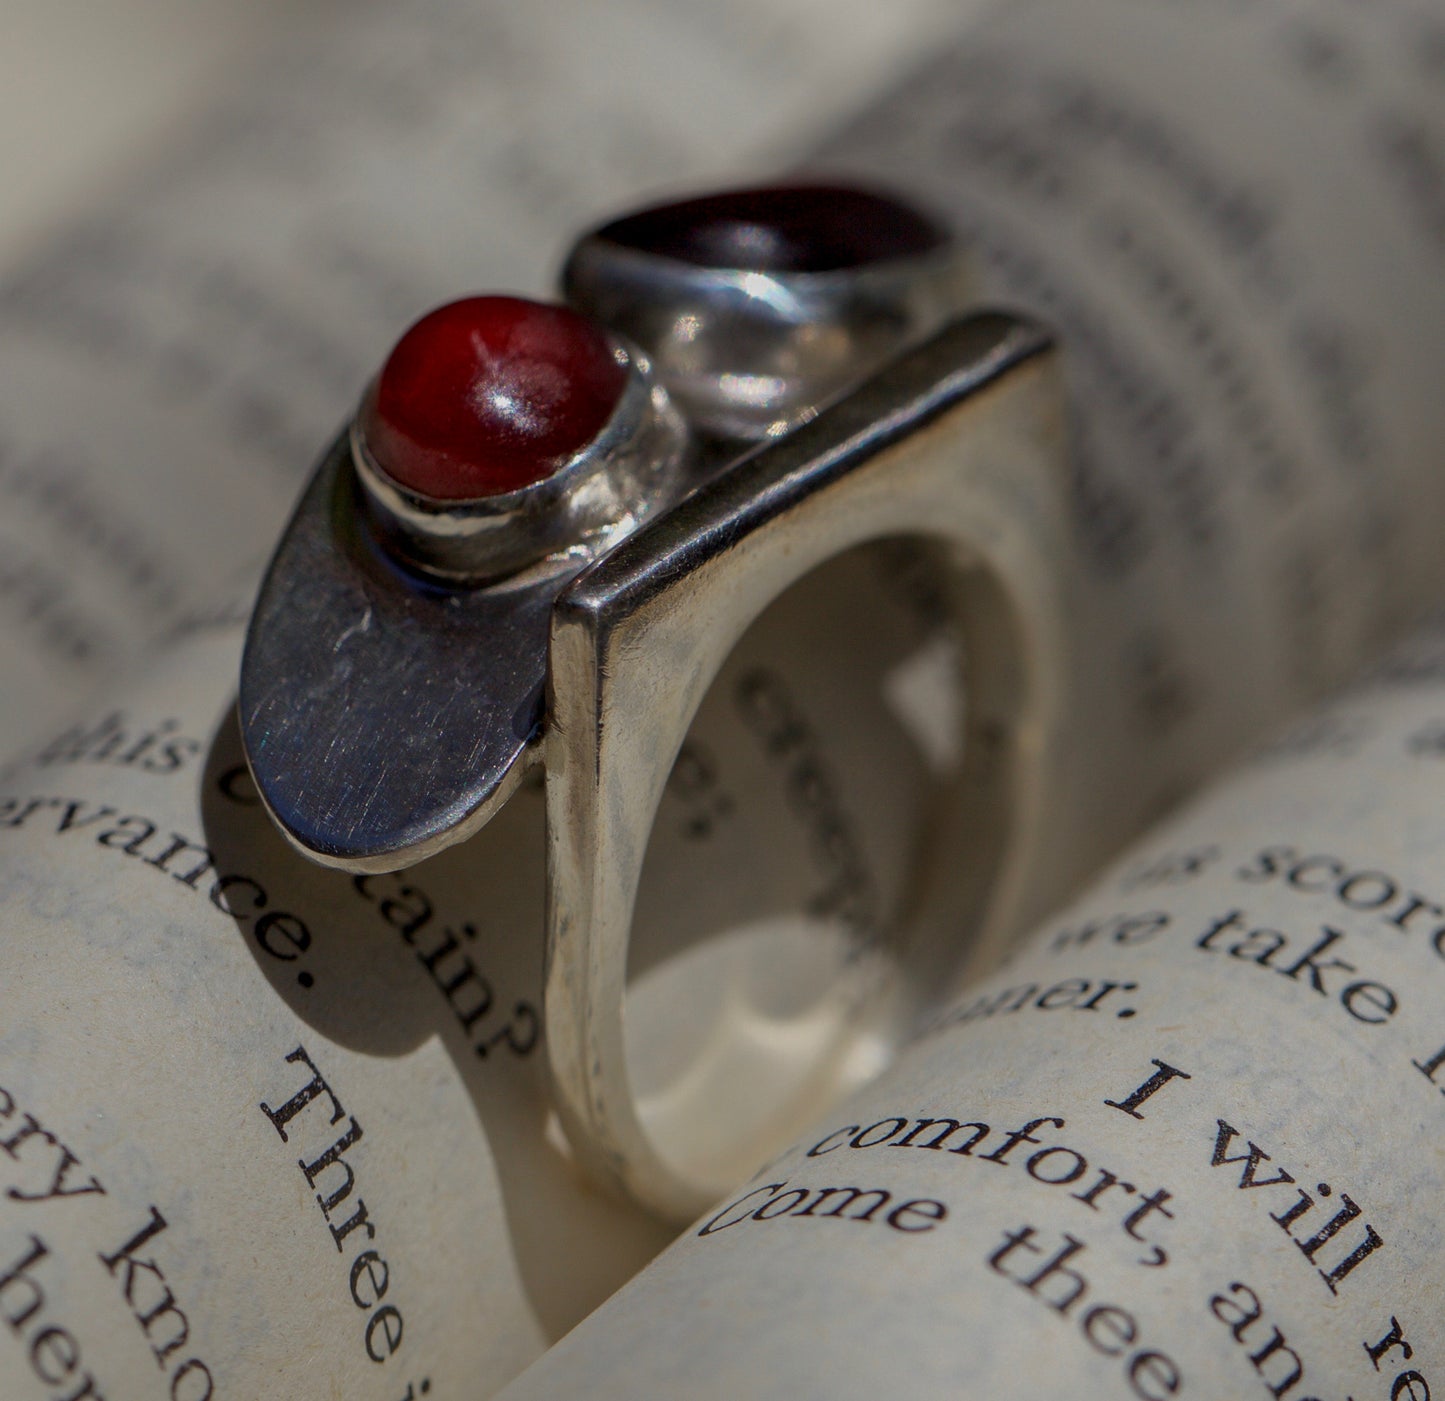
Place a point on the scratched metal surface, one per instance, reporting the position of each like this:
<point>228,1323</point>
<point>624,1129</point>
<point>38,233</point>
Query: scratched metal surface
<point>367,750</point>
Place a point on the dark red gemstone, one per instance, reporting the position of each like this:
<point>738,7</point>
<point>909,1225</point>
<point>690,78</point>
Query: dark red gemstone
<point>781,228</point>
<point>488,395</point>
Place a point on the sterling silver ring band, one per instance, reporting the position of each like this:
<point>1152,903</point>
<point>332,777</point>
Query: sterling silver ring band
<point>592,636</point>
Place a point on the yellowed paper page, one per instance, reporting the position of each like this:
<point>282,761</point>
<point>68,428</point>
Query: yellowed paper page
<point>1231,213</point>
<point>1185,1144</point>
<point>266,1130</point>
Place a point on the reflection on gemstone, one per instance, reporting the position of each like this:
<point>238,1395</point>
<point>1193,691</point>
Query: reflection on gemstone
<point>488,395</point>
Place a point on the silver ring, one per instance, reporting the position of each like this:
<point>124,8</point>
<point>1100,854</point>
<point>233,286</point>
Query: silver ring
<point>772,430</point>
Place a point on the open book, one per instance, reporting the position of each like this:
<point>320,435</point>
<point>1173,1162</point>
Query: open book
<point>271,1131</point>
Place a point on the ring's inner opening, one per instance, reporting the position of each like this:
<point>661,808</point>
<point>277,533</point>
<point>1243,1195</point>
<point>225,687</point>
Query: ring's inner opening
<point>776,891</point>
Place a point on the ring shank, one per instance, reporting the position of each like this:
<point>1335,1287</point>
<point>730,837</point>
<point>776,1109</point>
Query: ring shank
<point>956,445</point>
<point>785,855</point>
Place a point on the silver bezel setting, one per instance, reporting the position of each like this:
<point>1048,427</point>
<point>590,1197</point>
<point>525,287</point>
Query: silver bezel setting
<point>749,355</point>
<point>630,469</point>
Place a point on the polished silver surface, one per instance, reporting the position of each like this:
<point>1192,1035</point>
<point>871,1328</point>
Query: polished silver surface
<point>748,355</point>
<point>386,715</point>
<point>373,646</point>
<point>637,640</point>
<point>631,469</point>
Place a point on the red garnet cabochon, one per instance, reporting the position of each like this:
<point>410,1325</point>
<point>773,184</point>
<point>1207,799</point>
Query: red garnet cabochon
<point>489,394</point>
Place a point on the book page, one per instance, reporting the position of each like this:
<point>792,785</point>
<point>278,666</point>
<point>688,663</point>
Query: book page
<point>1231,212</point>
<point>82,95</point>
<point>1185,1144</point>
<point>176,360</point>
<point>224,1040</point>
<point>267,1130</point>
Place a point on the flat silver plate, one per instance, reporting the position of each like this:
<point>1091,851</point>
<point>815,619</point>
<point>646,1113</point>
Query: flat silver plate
<point>385,716</point>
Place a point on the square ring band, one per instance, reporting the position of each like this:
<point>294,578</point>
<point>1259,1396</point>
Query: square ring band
<point>958,442</point>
